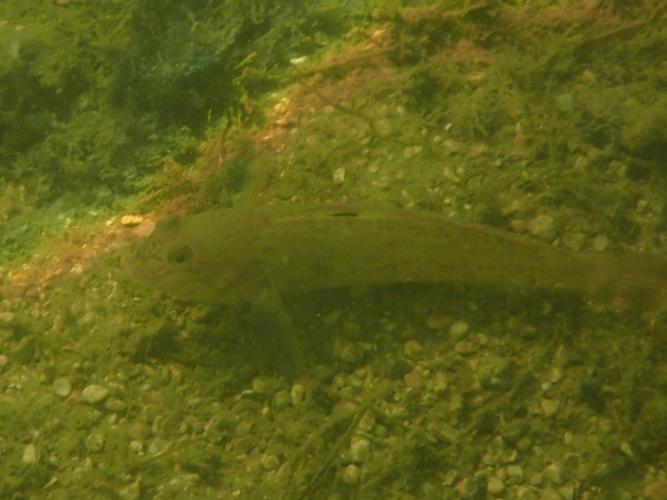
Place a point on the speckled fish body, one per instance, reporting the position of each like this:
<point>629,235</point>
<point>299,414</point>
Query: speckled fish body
<point>230,255</point>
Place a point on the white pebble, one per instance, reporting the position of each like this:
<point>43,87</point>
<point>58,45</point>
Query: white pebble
<point>131,220</point>
<point>94,393</point>
<point>339,175</point>
<point>515,471</point>
<point>351,475</point>
<point>30,454</point>
<point>62,387</point>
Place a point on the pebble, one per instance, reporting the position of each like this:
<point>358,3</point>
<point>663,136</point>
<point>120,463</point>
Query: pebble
<point>95,442</point>
<point>7,318</point>
<point>351,475</point>
<point>339,175</point>
<point>297,394</point>
<point>359,449</point>
<point>282,400</point>
<point>298,60</point>
<point>115,405</point>
<point>554,473</point>
<point>351,330</point>
<point>413,380</point>
<point>138,431</point>
<point>412,349</point>
<point>131,220</point>
<point>366,423</point>
<point>458,330</point>
<point>437,321</point>
<point>262,385</point>
<point>269,461</point>
<point>348,352</point>
<point>551,494</point>
<point>465,347</point>
<point>30,454</point>
<point>491,368</point>
<point>412,151</point>
<point>440,382</point>
<point>137,446</point>
<point>574,241</point>
<point>600,243</point>
<point>568,438</point>
<point>549,407</point>
<point>656,490</point>
<point>565,102</point>
<point>541,226</point>
<point>62,387</point>
<point>94,393</point>
<point>495,485</point>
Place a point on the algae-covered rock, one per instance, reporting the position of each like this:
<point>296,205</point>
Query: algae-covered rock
<point>651,425</point>
<point>645,131</point>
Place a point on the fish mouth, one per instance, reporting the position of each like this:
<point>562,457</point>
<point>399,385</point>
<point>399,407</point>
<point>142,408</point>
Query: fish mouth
<point>138,264</point>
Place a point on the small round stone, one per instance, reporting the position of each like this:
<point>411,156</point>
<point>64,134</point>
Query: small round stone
<point>412,348</point>
<point>600,243</point>
<point>359,449</point>
<point>550,407</point>
<point>297,394</point>
<point>7,318</point>
<point>541,226</point>
<point>413,380</point>
<point>269,461</point>
<point>282,400</point>
<point>95,442</point>
<point>263,385</point>
<point>94,393</point>
<point>351,475</point>
<point>495,485</point>
<point>554,473</point>
<point>465,347</point>
<point>437,321</point>
<point>515,471</point>
<point>115,405</point>
<point>62,387</point>
<point>565,102</point>
<point>458,330</point>
<point>348,353</point>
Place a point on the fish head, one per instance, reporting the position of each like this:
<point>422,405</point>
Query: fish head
<point>168,260</point>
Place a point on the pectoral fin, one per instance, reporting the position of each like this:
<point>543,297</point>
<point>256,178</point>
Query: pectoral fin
<point>273,326</point>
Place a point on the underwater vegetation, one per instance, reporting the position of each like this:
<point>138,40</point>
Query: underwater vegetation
<point>539,121</point>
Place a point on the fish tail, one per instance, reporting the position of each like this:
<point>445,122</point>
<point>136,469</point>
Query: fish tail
<point>628,280</point>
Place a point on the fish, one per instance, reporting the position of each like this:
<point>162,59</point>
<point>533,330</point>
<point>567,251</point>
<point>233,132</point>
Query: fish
<point>230,255</point>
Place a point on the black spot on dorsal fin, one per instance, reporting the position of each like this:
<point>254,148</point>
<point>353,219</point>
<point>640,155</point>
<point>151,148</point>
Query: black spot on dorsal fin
<point>344,213</point>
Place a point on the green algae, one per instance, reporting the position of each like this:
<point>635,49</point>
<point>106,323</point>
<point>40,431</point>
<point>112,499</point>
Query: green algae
<point>182,418</point>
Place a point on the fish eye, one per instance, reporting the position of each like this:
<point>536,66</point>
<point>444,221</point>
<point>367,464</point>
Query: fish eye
<point>180,255</point>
